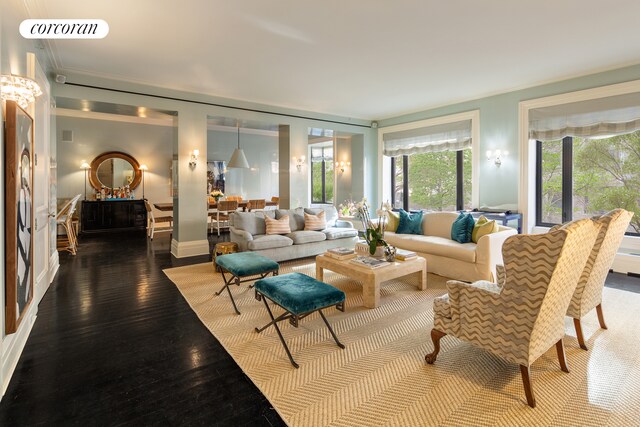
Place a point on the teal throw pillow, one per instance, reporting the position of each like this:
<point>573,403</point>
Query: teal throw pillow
<point>462,228</point>
<point>410,223</point>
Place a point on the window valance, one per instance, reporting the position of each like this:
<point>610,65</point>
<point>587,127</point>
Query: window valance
<point>430,139</point>
<point>610,116</point>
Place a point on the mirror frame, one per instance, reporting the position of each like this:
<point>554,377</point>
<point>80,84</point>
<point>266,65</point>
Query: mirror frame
<point>93,176</point>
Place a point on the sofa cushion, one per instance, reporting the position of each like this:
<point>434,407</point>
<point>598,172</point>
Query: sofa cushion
<point>330,214</point>
<point>315,222</point>
<point>301,237</point>
<point>433,245</point>
<point>393,220</point>
<point>483,227</point>
<point>269,241</point>
<point>334,233</point>
<point>410,223</point>
<point>438,223</point>
<point>249,222</point>
<point>462,228</point>
<point>296,218</point>
<point>277,226</point>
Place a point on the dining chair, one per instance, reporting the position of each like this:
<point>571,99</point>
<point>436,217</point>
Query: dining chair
<point>276,200</point>
<point>256,205</point>
<point>152,221</point>
<point>220,218</point>
<point>65,219</point>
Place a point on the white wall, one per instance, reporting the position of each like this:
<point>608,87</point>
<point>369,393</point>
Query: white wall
<point>151,145</point>
<point>261,149</point>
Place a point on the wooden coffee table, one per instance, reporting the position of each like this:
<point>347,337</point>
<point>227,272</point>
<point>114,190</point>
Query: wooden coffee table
<point>371,278</point>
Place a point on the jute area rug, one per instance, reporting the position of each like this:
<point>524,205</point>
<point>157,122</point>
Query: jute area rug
<point>381,377</point>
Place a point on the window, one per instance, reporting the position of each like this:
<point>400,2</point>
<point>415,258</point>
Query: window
<point>438,181</point>
<point>322,174</point>
<point>579,177</point>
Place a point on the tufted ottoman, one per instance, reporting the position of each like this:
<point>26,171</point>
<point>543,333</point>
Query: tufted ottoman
<point>243,267</point>
<point>299,295</point>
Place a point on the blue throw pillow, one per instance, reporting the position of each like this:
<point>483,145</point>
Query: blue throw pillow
<point>410,223</point>
<point>462,228</point>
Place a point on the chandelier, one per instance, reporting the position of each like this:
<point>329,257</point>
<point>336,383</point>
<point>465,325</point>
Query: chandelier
<point>19,89</point>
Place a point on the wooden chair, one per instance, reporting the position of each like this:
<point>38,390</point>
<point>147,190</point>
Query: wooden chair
<point>521,320</point>
<point>277,202</point>
<point>220,218</point>
<point>65,219</point>
<point>256,205</point>
<point>152,221</point>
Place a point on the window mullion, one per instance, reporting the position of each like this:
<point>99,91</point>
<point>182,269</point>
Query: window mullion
<point>460,180</point>
<point>405,183</point>
<point>567,178</point>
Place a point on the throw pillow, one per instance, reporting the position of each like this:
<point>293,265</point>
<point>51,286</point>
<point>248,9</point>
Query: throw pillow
<point>393,220</point>
<point>278,226</point>
<point>314,222</point>
<point>409,223</point>
<point>462,228</point>
<point>483,227</point>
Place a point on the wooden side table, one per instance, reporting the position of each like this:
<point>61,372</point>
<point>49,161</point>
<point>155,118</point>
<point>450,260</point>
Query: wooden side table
<point>223,248</point>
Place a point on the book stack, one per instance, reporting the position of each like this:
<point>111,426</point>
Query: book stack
<point>403,255</point>
<point>369,262</point>
<point>341,253</point>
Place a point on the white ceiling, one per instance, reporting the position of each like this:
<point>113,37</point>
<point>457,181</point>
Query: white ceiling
<point>369,59</point>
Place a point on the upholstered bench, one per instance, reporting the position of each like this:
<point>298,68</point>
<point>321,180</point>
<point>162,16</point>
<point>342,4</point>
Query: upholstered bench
<point>243,267</point>
<point>299,295</point>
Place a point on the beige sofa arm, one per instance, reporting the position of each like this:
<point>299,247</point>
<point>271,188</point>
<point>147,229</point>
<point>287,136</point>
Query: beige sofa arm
<point>489,248</point>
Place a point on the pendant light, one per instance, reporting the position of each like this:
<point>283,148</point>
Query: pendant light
<point>238,159</point>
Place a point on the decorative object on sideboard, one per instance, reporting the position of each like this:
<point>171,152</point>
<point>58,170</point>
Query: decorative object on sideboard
<point>299,161</point>
<point>497,156</point>
<point>22,90</point>
<point>238,159</point>
<point>194,158</point>
<point>143,168</point>
<point>86,168</point>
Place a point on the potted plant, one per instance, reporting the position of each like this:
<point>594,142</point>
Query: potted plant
<point>373,231</point>
<point>216,194</point>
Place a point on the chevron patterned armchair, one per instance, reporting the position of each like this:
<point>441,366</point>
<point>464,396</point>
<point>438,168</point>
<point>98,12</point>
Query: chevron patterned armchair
<point>588,293</point>
<point>522,319</point>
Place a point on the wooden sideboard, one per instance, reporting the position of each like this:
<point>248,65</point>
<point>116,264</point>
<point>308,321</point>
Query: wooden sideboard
<point>113,215</point>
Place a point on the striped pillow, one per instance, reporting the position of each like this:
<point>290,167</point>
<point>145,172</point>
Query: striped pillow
<point>277,226</point>
<point>315,222</point>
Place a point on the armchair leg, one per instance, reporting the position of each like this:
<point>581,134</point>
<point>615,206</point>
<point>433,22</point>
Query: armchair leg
<point>528,388</point>
<point>600,316</point>
<point>561,356</point>
<point>576,323</point>
<point>436,335</point>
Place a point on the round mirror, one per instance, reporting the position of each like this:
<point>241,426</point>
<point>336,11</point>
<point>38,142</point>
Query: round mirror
<point>114,170</point>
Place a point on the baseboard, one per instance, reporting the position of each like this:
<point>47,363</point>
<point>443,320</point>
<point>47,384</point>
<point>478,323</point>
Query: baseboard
<point>13,344</point>
<point>187,249</point>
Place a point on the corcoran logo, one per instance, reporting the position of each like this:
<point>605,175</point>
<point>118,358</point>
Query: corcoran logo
<point>64,29</point>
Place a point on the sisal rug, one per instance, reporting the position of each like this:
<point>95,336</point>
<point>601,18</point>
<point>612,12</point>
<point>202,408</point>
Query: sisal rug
<point>381,377</point>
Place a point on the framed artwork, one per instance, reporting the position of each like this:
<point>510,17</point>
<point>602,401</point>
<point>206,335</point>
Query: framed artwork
<point>215,175</point>
<point>18,214</point>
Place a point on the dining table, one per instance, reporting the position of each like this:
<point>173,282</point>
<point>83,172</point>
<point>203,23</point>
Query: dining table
<point>212,205</point>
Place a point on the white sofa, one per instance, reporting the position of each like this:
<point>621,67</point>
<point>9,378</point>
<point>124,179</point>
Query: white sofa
<point>445,257</point>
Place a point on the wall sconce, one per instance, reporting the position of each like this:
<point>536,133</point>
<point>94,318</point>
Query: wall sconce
<point>194,158</point>
<point>20,89</point>
<point>86,168</point>
<point>299,162</point>
<point>342,166</point>
<point>496,156</point>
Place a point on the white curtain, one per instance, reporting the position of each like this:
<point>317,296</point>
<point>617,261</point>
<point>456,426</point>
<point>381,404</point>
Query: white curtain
<point>445,137</point>
<point>614,115</point>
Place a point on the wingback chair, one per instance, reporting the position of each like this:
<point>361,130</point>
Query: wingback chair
<point>588,293</point>
<point>521,320</point>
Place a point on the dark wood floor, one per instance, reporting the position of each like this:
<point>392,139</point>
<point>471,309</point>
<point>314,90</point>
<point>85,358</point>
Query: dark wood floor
<point>116,344</point>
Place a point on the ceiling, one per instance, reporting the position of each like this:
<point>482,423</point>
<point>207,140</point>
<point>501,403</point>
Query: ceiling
<point>357,58</point>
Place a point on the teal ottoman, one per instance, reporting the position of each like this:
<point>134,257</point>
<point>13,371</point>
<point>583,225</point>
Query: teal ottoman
<point>243,267</point>
<point>299,295</point>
